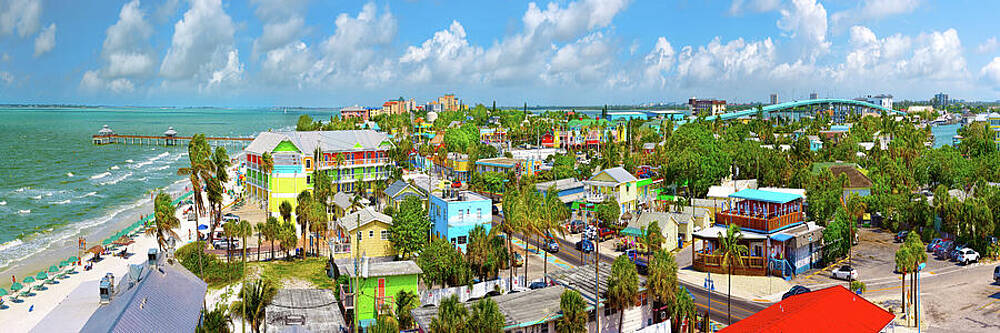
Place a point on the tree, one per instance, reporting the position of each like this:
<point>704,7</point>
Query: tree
<point>288,239</point>
<point>285,210</point>
<point>405,302</point>
<point>229,229</point>
<point>623,286</point>
<point>609,212</point>
<point>214,321</point>
<point>164,221</point>
<point>199,168</point>
<point>410,226</point>
<point>823,196</point>
<point>243,230</point>
<point>837,238</point>
<point>732,255</point>
<point>684,309</point>
<point>574,313</point>
<point>661,285</point>
<point>904,260</point>
<point>509,225</point>
<point>486,317</point>
<point>266,167</point>
<point>251,301</point>
<point>552,213</point>
<point>272,232</point>
<point>443,264</point>
<point>481,253</point>
<point>452,317</point>
<point>302,211</point>
<point>654,237</point>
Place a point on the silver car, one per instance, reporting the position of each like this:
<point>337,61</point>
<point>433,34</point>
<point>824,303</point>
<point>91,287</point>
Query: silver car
<point>845,273</point>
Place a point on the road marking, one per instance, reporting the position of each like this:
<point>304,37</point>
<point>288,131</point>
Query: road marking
<point>881,289</point>
<point>758,300</point>
<point>988,304</point>
<point>825,268</point>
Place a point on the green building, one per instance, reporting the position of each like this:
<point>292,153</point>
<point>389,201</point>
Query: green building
<point>378,285</point>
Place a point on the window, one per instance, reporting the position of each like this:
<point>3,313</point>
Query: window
<point>371,233</point>
<point>385,234</point>
<point>462,239</point>
<point>308,163</point>
<point>479,213</point>
<point>453,240</point>
<point>308,179</point>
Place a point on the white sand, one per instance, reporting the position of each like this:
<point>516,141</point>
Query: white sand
<point>17,318</point>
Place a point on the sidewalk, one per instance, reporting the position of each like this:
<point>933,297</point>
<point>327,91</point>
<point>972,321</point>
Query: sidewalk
<point>750,288</point>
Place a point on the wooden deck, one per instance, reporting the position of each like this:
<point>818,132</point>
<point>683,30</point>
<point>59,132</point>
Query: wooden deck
<point>762,224</point>
<point>713,263</point>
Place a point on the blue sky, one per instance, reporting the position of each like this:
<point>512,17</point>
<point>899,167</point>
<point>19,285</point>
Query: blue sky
<point>583,52</point>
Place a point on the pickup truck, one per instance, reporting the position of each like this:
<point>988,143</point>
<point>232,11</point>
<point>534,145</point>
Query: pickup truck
<point>641,260</point>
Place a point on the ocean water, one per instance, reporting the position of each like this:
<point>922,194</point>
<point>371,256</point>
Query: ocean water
<point>55,185</point>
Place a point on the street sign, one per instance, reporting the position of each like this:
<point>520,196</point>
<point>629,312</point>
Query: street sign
<point>709,284</point>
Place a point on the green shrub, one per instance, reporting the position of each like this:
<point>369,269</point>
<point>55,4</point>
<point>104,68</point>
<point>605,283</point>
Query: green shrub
<point>856,285</point>
<point>209,268</point>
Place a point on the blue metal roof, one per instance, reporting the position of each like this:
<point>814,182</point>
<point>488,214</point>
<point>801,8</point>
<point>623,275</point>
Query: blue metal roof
<point>166,299</point>
<point>781,237</point>
<point>765,196</point>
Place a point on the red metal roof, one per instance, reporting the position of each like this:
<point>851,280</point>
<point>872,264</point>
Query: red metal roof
<point>833,309</point>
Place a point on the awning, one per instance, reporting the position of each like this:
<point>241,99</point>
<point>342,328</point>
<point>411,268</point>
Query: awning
<point>630,231</point>
<point>781,237</point>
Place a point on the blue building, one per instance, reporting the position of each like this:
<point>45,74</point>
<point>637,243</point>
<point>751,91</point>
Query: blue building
<point>454,213</point>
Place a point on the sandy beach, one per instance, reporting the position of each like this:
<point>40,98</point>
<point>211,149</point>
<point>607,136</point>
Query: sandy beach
<point>26,315</point>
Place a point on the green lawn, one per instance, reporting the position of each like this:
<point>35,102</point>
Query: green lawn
<point>311,269</point>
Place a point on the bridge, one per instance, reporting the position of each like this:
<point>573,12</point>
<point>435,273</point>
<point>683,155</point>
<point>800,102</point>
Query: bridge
<point>837,104</point>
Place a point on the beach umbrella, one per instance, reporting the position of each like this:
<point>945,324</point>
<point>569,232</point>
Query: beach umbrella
<point>29,279</point>
<point>106,241</point>
<point>41,276</point>
<point>63,263</point>
<point>73,259</point>
<point>16,286</point>
<point>202,227</point>
<point>53,269</point>
<point>3,292</point>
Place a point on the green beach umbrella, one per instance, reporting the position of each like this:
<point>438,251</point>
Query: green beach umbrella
<point>106,241</point>
<point>73,259</point>
<point>16,286</point>
<point>63,263</point>
<point>53,269</point>
<point>3,292</point>
<point>41,276</point>
<point>29,279</point>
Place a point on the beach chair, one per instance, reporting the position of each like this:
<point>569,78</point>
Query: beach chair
<point>40,287</point>
<point>25,293</point>
<point>52,280</point>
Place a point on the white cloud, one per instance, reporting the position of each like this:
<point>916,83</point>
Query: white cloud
<point>563,24</point>
<point>20,16</point>
<point>446,56</point>
<point>928,56</point>
<point>46,40</point>
<point>805,23</point>
<point>354,52</point>
<point>287,64</point>
<point>121,86</point>
<point>230,74</point>
<point>988,45</point>
<point>91,82</point>
<point>287,58</point>
<point>6,77</point>
<point>202,46</point>
<point>583,62</point>
<point>724,63</point>
<point>740,6</point>
<point>870,10</point>
<point>991,72</point>
<point>659,62</point>
<point>129,60</point>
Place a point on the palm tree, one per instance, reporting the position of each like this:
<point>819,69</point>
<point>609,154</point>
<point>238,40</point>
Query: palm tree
<point>253,298</point>
<point>509,225</point>
<point>553,212</point>
<point>903,262</point>
<point>288,238</point>
<point>405,301</point>
<point>684,308</point>
<point>302,210</point>
<point>732,254</point>
<point>165,221</point>
<point>317,222</point>
<point>661,285</point>
<point>452,317</point>
<point>339,160</point>
<point>574,313</point>
<point>214,321</point>
<point>266,167</point>
<point>486,317</point>
<point>259,228</point>
<point>229,228</point>
<point>286,211</point>
<point>272,231</point>
<point>199,169</point>
<point>383,324</point>
<point>213,189</point>
<point>623,286</point>
<point>243,230</point>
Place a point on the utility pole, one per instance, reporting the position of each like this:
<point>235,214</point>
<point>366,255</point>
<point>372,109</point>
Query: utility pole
<point>597,275</point>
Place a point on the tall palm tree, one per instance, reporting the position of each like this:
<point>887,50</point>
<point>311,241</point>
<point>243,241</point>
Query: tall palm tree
<point>302,210</point>
<point>317,222</point>
<point>553,212</point>
<point>338,160</point>
<point>288,239</point>
<point>243,230</point>
<point>732,255</point>
<point>229,228</point>
<point>259,229</point>
<point>199,168</point>
<point>266,167</point>
<point>486,317</point>
<point>272,231</point>
<point>165,221</point>
<point>529,224</point>
<point>285,209</point>
<point>574,313</point>
<point>251,301</point>
<point>405,301</point>
<point>623,286</point>
<point>661,285</point>
<point>903,262</point>
<point>509,225</point>
<point>214,321</point>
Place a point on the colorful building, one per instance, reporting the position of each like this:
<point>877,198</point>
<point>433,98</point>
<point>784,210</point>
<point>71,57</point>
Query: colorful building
<point>400,190</point>
<point>348,157</point>
<point>448,102</point>
<point>355,112</point>
<point>378,284</point>
<point>779,241</point>
<point>504,165</point>
<point>455,166</point>
<point>365,230</point>
<point>833,309</point>
<point>995,127</point>
<point>492,135</point>
<point>454,213</point>
<point>614,183</point>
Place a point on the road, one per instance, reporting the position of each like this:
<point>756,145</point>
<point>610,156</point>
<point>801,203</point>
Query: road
<point>740,308</point>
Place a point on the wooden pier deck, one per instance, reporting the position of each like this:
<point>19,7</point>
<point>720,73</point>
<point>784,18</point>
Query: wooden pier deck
<point>159,140</point>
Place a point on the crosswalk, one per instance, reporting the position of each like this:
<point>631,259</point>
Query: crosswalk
<point>552,259</point>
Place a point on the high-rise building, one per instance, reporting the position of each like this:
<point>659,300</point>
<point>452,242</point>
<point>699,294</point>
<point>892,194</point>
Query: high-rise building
<point>707,107</point>
<point>941,100</point>
<point>449,102</point>
<point>774,98</point>
<point>813,96</point>
<point>883,100</point>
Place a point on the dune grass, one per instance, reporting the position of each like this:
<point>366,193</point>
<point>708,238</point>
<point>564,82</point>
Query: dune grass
<point>310,269</point>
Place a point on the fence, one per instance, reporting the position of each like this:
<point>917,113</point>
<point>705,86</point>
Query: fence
<point>466,293</point>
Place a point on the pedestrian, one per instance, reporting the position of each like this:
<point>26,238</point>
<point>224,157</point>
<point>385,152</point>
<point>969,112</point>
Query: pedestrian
<point>13,279</point>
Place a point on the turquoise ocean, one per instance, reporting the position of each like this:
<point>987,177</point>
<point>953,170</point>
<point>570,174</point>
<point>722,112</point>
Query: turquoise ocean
<point>55,185</point>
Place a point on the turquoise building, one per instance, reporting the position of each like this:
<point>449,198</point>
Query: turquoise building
<point>454,213</point>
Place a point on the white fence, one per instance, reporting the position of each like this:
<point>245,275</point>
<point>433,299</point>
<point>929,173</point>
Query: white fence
<point>465,293</point>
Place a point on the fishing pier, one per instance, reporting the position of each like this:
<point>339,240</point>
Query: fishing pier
<point>106,136</point>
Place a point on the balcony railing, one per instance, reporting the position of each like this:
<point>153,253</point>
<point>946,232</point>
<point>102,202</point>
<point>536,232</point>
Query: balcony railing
<point>353,163</point>
<point>346,296</point>
<point>759,223</point>
<point>595,197</point>
<point>750,265</point>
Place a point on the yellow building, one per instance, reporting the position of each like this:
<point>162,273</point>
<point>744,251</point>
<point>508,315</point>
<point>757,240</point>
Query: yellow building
<point>369,227</point>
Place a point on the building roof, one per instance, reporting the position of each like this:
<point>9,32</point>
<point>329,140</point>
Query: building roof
<point>561,184</point>
<point>375,268</point>
<point>521,309</point>
<point>619,174</point>
<point>796,191</point>
<point>327,141</point>
<point>362,217</point>
<point>398,186</point>
<point>167,298</point>
<point>714,231</point>
<point>765,196</point>
<point>500,161</point>
<point>343,200</point>
<point>684,215</point>
<point>834,309</point>
<point>855,178</point>
<point>316,307</point>
<point>581,279</point>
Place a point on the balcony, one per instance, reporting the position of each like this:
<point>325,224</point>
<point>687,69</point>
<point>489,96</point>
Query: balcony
<point>354,163</point>
<point>346,297</point>
<point>713,263</point>
<point>350,178</point>
<point>595,197</point>
<point>763,223</point>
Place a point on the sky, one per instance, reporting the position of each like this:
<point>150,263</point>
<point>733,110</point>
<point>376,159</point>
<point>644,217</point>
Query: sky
<point>583,52</point>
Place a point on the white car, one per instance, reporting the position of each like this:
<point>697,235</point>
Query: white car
<point>967,255</point>
<point>845,273</point>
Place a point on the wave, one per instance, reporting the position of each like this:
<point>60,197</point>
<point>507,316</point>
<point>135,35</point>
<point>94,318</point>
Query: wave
<point>23,189</point>
<point>3,203</point>
<point>100,175</point>
<point>150,160</point>
<point>10,244</point>
<point>37,197</point>
<point>160,168</point>
<point>114,167</point>
<point>69,174</point>
<point>117,179</point>
<point>24,211</point>
<point>61,202</point>
<point>129,161</point>
<point>89,194</point>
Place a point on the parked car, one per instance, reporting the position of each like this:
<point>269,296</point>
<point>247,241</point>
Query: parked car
<point>996,274</point>
<point>934,242</point>
<point>605,234</point>
<point>585,246</point>
<point>939,245</point>
<point>967,255</point>
<point>901,236</point>
<point>796,290</point>
<point>536,285</point>
<point>550,245</point>
<point>942,250</point>
<point>518,260</point>
<point>575,227</point>
<point>954,253</point>
<point>845,273</point>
